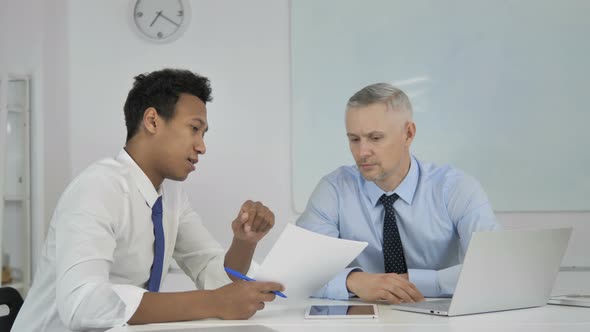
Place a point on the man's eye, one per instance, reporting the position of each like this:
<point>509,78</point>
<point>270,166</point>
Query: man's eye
<point>195,128</point>
<point>354,139</point>
<point>376,138</point>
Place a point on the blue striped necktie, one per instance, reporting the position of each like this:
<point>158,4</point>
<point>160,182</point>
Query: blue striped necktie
<point>156,273</point>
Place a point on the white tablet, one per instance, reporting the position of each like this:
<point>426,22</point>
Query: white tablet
<point>341,311</point>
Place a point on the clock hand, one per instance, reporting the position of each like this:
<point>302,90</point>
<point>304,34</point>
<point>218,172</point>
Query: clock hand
<point>155,18</point>
<point>168,19</point>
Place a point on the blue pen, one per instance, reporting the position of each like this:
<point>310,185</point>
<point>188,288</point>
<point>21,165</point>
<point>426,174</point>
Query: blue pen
<point>243,277</point>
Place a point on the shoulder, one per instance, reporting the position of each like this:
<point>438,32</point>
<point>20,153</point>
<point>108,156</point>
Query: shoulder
<point>446,177</point>
<point>460,192</point>
<point>332,187</point>
<point>98,195</point>
<point>106,178</point>
<point>344,177</point>
<point>106,174</point>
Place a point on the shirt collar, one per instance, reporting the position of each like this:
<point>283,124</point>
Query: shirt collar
<point>405,189</point>
<point>144,185</point>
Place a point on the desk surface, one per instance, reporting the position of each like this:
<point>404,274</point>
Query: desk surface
<point>288,316</point>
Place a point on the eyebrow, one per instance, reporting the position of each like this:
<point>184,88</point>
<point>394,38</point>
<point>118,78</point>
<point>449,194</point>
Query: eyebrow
<point>202,123</point>
<point>368,134</point>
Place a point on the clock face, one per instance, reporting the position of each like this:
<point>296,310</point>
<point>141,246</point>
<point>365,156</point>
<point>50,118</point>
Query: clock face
<point>161,21</point>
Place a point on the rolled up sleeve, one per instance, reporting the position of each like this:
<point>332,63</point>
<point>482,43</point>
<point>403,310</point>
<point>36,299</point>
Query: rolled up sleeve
<point>197,253</point>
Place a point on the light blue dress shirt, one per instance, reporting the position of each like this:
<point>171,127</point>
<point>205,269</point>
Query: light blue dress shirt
<point>438,209</point>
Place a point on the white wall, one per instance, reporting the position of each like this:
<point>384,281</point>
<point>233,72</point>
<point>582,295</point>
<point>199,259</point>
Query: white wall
<point>243,46</point>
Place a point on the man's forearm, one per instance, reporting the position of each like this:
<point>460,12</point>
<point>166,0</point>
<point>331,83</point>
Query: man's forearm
<point>239,256</point>
<point>173,307</point>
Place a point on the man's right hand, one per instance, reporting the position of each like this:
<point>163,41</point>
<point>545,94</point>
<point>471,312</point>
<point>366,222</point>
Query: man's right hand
<point>241,299</point>
<point>389,287</point>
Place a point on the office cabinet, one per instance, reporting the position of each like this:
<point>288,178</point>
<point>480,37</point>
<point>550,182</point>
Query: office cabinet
<point>15,207</point>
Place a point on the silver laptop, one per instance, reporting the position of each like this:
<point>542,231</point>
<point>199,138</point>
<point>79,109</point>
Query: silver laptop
<point>503,270</point>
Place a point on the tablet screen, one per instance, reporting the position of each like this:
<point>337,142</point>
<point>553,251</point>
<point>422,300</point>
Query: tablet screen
<point>342,311</point>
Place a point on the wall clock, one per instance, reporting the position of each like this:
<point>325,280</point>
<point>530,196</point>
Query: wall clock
<point>160,21</point>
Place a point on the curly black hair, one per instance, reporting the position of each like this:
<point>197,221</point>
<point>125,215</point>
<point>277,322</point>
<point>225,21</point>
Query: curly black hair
<point>161,90</point>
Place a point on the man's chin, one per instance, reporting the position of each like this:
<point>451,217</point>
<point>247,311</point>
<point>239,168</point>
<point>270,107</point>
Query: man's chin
<point>179,178</point>
<point>368,176</point>
<point>372,176</point>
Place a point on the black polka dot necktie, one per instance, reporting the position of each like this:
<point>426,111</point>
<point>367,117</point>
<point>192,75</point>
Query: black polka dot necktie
<point>393,252</point>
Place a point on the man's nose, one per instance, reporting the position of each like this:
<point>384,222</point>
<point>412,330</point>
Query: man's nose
<point>200,146</point>
<point>364,149</point>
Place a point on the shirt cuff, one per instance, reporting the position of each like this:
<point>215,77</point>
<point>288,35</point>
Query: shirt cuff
<point>447,280</point>
<point>336,288</point>
<point>131,296</point>
<point>426,281</point>
<point>214,275</point>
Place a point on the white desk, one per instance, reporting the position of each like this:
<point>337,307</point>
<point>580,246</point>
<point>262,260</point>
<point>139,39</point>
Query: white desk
<point>288,317</point>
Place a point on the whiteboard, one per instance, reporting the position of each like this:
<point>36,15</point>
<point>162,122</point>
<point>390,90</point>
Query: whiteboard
<point>500,89</point>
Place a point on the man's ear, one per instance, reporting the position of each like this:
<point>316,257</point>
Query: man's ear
<point>150,120</point>
<point>410,132</point>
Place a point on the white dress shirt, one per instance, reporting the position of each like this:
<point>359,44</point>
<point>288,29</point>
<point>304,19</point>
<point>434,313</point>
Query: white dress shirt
<point>99,250</point>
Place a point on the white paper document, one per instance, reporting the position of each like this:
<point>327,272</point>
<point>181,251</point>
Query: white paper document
<point>303,261</point>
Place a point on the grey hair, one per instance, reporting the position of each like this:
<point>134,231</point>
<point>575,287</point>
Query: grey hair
<point>385,93</point>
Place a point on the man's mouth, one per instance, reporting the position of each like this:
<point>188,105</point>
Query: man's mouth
<point>192,162</point>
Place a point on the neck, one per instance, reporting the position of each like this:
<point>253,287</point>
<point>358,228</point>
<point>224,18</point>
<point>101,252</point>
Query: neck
<point>138,151</point>
<point>392,181</point>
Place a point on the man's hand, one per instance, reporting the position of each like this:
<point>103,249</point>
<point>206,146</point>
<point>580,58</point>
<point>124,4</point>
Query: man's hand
<point>388,287</point>
<point>241,299</point>
<point>253,222</point>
